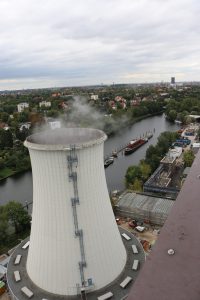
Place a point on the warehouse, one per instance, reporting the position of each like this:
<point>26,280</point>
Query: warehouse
<point>143,207</point>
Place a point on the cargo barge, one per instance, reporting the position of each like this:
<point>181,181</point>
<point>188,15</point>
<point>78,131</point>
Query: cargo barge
<point>134,145</point>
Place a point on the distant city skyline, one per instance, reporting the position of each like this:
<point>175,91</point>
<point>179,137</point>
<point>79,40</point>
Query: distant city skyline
<point>76,43</point>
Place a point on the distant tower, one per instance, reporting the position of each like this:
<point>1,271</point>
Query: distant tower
<point>75,243</point>
<point>173,80</point>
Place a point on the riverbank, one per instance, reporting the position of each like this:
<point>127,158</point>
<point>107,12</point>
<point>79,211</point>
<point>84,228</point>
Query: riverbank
<point>132,121</point>
<point>146,116</point>
<point>19,187</point>
<point>7,172</point>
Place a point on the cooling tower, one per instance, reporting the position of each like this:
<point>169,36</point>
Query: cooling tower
<point>75,243</point>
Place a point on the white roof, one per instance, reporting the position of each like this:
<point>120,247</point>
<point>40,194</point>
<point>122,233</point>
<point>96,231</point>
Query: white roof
<point>176,150</point>
<point>194,116</point>
<point>196,145</point>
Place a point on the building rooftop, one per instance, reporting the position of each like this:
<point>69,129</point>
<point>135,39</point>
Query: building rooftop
<point>168,160</point>
<point>175,276</point>
<point>134,201</point>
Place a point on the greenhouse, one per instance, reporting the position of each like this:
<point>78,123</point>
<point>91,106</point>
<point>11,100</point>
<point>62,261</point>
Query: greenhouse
<point>143,207</point>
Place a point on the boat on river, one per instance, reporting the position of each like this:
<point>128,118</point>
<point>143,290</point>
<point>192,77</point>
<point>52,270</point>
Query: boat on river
<point>134,145</point>
<point>114,153</point>
<point>149,135</point>
<point>108,161</point>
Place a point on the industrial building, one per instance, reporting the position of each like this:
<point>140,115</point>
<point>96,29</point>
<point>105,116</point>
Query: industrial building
<point>142,207</point>
<point>75,250</point>
<point>165,178</point>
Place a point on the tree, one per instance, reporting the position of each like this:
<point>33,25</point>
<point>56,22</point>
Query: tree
<point>9,108</point>
<point>195,110</point>
<point>151,150</point>
<point>23,164</point>
<point>11,161</point>
<point>137,185</point>
<point>17,216</point>
<point>172,105</point>
<point>186,105</point>
<point>4,117</point>
<point>181,117</point>
<point>132,173</point>
<point>171,116</point>
<point>2,163</point>
<point>155,161</point>
<point>145,169</point>
<point>6,139</point>
<point>53,113</point>
<point>165,140</point>
<point>188,158</point>
<point>22,134</point>
<point>23,117</point>
<point>3,226</point>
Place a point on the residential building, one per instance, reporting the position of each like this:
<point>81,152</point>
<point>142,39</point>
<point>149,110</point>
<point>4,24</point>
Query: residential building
<point>45,104</point>
<point>22,106</point>
<point>94,97</point>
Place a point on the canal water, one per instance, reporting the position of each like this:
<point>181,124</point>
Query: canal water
<point>19,187</point>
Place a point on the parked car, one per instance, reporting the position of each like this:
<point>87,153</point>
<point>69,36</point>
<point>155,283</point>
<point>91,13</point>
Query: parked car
<point>140,228</point>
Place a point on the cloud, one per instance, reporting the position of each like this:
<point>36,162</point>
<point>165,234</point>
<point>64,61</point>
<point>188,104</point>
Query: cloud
<point>51,43</point>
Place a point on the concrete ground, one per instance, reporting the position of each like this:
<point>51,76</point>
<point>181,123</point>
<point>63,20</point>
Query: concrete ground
<point>114,287</point>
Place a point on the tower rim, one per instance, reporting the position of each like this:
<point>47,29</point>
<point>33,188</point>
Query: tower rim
<point>63,138</point>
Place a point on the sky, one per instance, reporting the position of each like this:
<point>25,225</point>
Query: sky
<point>52,43</point>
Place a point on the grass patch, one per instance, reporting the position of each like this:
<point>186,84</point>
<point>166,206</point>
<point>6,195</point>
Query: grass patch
<point>6,172</point>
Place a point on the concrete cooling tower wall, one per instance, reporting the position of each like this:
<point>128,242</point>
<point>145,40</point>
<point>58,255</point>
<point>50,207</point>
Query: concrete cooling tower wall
<point>74,242</point>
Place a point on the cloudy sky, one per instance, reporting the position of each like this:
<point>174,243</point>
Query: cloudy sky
<point>49,43</point>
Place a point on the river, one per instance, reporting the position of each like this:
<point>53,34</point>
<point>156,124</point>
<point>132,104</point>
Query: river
<point>19,187</point>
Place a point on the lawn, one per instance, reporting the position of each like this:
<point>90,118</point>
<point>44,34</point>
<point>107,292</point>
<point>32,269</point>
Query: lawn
<point>6,172</point>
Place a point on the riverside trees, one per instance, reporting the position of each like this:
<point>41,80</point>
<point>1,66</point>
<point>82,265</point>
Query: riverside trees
<point>13,156</point>
<point>188,158</point>
<point>14,224</point>
<point>137,175</point>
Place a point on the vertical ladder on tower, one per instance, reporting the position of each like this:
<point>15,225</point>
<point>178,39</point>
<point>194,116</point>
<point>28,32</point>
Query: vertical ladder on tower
<point>72,160</point>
